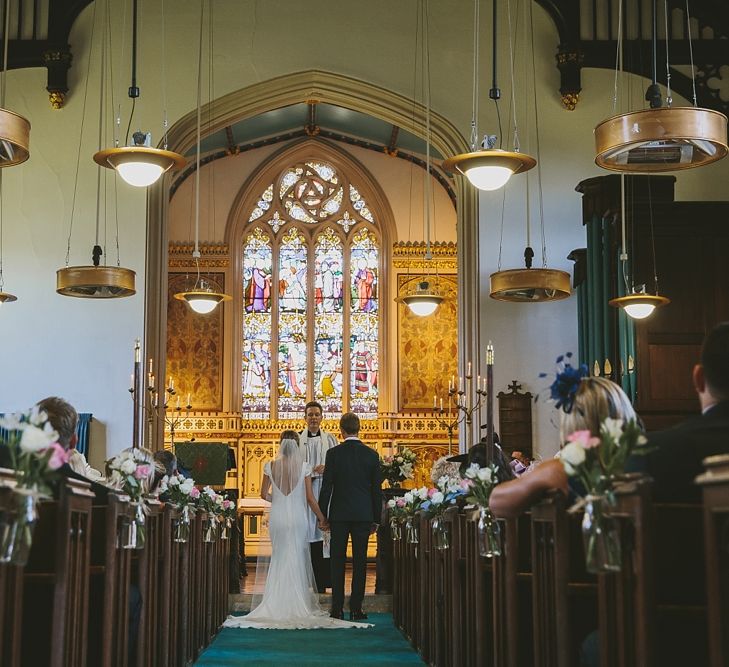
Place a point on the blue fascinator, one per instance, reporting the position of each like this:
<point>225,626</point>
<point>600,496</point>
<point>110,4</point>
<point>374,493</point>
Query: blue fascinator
<point>564,388</point>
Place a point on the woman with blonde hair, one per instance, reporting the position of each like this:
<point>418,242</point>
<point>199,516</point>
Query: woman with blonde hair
<point>585,403</point>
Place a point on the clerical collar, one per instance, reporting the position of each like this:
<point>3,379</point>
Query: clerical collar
<point>309,434</point>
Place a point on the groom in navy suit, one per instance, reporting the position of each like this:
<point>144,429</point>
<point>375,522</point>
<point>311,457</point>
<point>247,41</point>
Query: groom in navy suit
<point>353,484</point>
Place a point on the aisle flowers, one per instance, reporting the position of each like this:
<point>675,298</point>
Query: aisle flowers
<point>439,500</point>
<point>403,510</point>
<point>35,455</point>
<point>398,467</point>
<point>596,463</point>
<point>182,492</point>
<point>132,472</point>
<point>481,482</point>
<point>211,502</point>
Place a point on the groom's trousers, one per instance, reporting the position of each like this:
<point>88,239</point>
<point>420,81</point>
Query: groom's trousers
<point>360,532</point>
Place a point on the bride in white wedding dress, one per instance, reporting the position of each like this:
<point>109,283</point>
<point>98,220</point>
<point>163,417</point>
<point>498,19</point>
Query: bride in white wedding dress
<point>290,598</point>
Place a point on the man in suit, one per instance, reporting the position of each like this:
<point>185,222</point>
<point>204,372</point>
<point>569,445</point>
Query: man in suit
<point>677,458</point>
<point>353,483</point>
<point>315,443</point>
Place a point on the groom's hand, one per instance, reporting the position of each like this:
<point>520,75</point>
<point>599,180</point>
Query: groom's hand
<point>324,525</point>
<point>319,470</point>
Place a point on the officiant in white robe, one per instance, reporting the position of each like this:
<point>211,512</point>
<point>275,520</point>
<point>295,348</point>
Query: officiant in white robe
<point>315,444</point>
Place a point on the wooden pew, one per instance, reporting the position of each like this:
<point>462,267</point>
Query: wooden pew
<point>564,595</point>
<point>715,491</point>
<point>56,580</point>
<point>626,599</point>
<point>109,585</point>
<point>425,636</point>
<point>11,585</point>
<point>454,575</point>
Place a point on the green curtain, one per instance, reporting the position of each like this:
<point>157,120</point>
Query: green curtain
<point>606,334</point>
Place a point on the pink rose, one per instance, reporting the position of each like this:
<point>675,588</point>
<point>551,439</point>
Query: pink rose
<point>58,457</point>
<point>142,471</point>
<point>431,492</point>
<point>227,504</point>
<point>466,484</point>
<point>195,493</point>
<point>584,439</point>
<point>400,502</point>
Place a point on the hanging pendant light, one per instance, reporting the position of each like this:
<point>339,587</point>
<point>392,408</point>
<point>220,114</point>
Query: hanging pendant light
<point>95,281</point>
<point>637,304</point>
<point>14,129</point>
<point>485,166</point>
<point>530,285</point>
<point>424,300</point>
<point>202,298</point>
<point>661,138</point>
<point>139,164</point>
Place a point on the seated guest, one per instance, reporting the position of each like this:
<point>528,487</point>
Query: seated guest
<point>168,461</point>
<point>595,399</point>
<point>519,463</point>
<point>677,458</point>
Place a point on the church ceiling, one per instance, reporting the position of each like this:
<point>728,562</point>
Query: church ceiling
<point>39,32</point>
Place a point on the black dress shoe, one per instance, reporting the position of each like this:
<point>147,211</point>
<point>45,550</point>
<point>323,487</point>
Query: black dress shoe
<point>336,614</point>
<point>357,616</point>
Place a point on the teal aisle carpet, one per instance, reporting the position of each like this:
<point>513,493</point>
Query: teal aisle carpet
<point>382,646</point>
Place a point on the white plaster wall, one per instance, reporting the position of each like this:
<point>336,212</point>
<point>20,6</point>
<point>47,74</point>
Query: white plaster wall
<point>83,350</point>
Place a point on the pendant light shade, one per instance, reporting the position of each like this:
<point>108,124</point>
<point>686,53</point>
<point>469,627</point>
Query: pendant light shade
<point>95,282</point>
<point>639,305</point>
<point>530,285</point>
<point>139,165</point>
<point>490,169</point>
<point>663,139</point>
<point>203,300</point>
<point>423,301</point>
<point>14,138</point>
<point>6,297</point>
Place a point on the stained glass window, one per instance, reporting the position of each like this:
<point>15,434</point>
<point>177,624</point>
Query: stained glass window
<point>307,292</point>
<point>363,346</point>
<point>256,348</point>
<point>329,322</point>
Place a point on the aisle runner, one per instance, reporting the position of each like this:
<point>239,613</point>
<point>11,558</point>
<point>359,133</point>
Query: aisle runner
<point>382,646</point>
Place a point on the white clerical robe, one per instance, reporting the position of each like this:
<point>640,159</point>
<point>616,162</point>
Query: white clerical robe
<point>315,452</point>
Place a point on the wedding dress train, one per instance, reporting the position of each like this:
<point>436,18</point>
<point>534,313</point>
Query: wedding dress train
<point>290,598</point>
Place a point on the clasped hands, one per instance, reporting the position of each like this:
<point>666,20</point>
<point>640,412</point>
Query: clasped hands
<point>318,469</point>
<point>324,524</point>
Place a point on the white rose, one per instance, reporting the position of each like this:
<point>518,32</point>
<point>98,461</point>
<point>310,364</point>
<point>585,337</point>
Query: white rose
<point>572,456</point>
<point>437,498</point>
<point>391,504</point>
<point>128,466</point>
<point>422,493</point>
<point>472,471</point>
<point>642,440</point>
<point>613,427</point>
<point>11,422</point>
<point>484,474</point>
<point>37,417</point>
<point>35,439</point>
<point>209,491</point>
<point>187,485</point>
<point>174,481</point>
<point>408,497</point>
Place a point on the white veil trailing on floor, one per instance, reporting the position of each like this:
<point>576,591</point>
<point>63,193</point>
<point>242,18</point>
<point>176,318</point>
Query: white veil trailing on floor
<point>285,594</point>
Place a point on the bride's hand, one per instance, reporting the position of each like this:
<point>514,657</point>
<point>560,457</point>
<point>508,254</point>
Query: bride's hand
<point>323,524</point>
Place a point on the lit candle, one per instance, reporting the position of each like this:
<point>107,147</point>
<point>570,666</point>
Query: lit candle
<point>178,402</point>
<point>435,402</point>
<point>131,381</point>
<point>469,370</point>
<point>460,381</point>
<point>172,383</point>
<point>188,399</point>
<point>150,365</point>
<point>441,405</point>
<point>478,383</point>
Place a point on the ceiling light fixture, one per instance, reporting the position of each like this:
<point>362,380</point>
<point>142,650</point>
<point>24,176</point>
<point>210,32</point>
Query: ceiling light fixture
<point>424,300</point>
<point>660,138</point>
<point>95,281</point>
<point>485,166</point>
<point>529,285</point>
<point>637,303</point>
<point>139,164</point>
<point>202,298</point>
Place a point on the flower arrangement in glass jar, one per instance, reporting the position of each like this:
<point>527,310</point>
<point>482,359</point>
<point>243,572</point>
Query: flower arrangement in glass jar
<point>398,467</point>
<point>448,490</point>
<point>403,510</point>
<point>596,463</point>
<point>132,472</point>
<point>481,482</point>
<point>35,455</point>
<point>182,492</point>
<point>211,502</point>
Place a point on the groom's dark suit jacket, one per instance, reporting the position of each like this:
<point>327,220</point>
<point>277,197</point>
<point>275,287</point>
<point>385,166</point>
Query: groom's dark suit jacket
<point>352,482</point>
